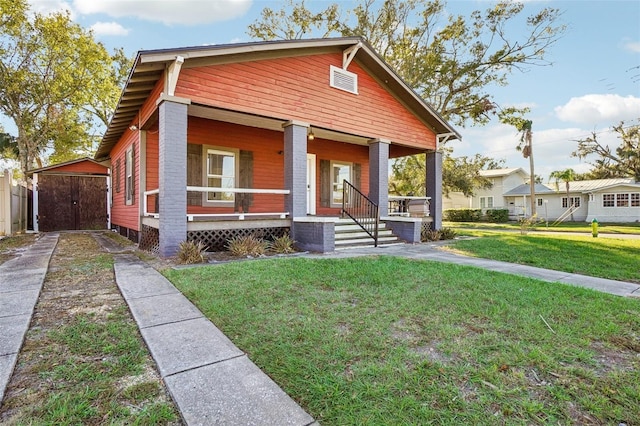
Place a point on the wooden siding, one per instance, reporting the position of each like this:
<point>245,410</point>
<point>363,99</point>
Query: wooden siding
<point>149,107</point>
<point>82,167</point>
<point>124,215</point>
<point>268,161</point>
<point>298,88</point>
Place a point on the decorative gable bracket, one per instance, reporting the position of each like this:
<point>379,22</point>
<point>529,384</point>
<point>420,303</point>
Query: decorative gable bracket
<point>349,54</point>
<point>172,75</point>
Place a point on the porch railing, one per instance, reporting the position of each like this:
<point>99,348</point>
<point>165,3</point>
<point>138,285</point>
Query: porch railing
<point>206,189</point>
<point>361,209</point>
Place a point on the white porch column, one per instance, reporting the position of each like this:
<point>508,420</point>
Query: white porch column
<point>172,174</point>
<point>434,186</point>
<point>379,174</point>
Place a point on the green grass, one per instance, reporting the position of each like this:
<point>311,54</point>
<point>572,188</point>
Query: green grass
<point>373,341</point>
<point>605,228</point>
<point>612,258</point>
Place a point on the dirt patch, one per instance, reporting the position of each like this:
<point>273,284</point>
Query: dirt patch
<point>11,247</point>
<point>78,301</point>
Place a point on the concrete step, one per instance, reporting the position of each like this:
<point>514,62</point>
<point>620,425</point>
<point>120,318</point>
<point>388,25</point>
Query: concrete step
<point>367,241</point>
<point>361,234</point>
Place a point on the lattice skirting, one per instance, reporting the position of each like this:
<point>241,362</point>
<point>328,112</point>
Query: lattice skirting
<point>216,240</point>
<point>426,227</point>
<point>150,240</point>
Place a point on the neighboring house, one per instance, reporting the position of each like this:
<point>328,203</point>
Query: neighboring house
<point>212,142</point>
<point>502,180</point>
<point>607,200</point>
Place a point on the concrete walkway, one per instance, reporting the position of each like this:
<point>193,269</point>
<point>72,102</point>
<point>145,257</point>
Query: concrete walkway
<point>21,280</point>
<point>429,251</point>
<point>209,378</point>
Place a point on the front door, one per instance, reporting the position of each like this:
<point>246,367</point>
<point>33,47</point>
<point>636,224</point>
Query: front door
<point>311,184</point>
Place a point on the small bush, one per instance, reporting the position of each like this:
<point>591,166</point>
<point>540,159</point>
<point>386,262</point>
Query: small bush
<point>190,252</point>
<point>462,215</point>
<point>447,234</point>
<point>498,215</point>
<point>431,235</point>
<point>283,245</point>
<point>247,246</point>
<point>528,223</point>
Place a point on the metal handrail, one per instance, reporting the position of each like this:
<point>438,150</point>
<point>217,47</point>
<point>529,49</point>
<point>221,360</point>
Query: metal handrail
<point>361,209</point>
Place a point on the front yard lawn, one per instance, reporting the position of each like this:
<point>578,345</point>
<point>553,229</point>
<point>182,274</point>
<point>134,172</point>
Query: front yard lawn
<point>385,340</point>
<point>612,258</point>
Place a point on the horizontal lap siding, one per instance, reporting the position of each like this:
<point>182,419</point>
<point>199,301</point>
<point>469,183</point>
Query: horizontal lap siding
<point>339,151</point>
<point>81,167</point>
<point>298,88</point>
<point>268,163</point>
<point>152,161</point>
<point>149,107</point>
<point>121,214</point>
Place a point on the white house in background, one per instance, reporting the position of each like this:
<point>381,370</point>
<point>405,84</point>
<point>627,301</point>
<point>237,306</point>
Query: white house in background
<point>607,200</point>
<point>502,180</point>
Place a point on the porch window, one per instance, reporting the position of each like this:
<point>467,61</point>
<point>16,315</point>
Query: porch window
<point>635,199</point>
<point>221,173</point>
<point>340,172</point>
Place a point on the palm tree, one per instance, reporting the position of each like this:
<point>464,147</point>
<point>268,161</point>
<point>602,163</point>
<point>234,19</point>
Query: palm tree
<point>566,175</point>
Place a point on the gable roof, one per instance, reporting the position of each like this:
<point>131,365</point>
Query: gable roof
<point>150,65</point>
<point>525,189</point>
<point>502,172</point>
<point>92,167</point>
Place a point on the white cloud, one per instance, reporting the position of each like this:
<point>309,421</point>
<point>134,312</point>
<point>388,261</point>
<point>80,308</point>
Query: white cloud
<point>109,29</point>
<point>632,46</point>
<point>185,12</point>
<point>599,109</point>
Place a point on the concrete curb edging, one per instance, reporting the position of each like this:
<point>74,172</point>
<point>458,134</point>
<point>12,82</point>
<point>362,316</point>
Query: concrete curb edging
<point>210,380</point>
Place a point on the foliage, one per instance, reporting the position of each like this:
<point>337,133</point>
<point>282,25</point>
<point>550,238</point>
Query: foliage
<point>451,61</point>
<point>527,224</point>
<point>567,176</point>
<point>459,174</point>
<point>248,245</point>
<point>191,252</point>
<point>283,245</point>
<point>378,341</point>
<point>625,162</point>
<point>54,78</point>
<point>462,215</point>
<point>430,235</point>
<point>448,233</point>
<point>497,215</point>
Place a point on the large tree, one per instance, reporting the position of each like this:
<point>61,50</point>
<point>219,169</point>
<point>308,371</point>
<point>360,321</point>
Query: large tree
<point>624,161</point>
<point>451,61</point>
<point>57,84</point>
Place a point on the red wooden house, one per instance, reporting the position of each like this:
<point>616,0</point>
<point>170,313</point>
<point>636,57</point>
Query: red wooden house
<point>211,142</point>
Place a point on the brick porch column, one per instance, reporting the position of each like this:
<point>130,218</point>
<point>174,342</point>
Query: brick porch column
<point>172,173</point>
<point>379,174</point>
<point>295,169</point>
<point>434,187</point>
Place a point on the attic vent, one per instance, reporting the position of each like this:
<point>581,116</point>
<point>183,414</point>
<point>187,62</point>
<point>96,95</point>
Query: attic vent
<point>343,80</point>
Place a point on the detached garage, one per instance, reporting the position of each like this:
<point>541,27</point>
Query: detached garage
<point>71,196</point>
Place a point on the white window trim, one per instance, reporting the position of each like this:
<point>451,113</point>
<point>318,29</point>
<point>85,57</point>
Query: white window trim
<point>350,179</point>
<point>206,149</point>
<point>615,199</point>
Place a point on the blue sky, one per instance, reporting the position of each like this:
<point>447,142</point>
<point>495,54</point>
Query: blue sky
<point>594,81</point>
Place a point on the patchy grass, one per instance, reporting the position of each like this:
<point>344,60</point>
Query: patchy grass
<point>395,341</point>
<point>83,360</point>
<point>611,258</point>
<point>11,246</point>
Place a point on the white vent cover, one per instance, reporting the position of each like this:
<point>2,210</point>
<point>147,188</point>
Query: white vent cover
<point>343,80</point>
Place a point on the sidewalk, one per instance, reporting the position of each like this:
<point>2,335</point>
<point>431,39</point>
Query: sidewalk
<point>429,251</point>
<point>21,280</point>
<point>209,378</point>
